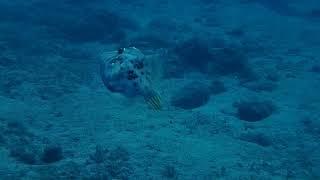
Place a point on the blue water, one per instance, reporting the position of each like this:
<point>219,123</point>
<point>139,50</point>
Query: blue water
<point>235,85</point>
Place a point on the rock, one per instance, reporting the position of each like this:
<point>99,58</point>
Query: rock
<point>192,95</point>
<point>7,61</point>
<point>315,68</point>
<point>253,111</point>
<point>232,61</point>
<point>195,54</point>
<point>100,155</point>
<point>217,87</point>
<point>311,125</point>
<point>24,154</point>
<point>169,172</point>
<point>52,154</point>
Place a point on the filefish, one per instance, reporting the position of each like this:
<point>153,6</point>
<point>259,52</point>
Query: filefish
<point>125,71</point>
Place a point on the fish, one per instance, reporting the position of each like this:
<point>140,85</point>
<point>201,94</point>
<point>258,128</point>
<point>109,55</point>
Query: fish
<point>127,71</point>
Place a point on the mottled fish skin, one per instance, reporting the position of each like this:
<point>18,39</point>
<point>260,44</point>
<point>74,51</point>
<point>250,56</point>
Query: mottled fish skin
<point>117,83</point>
<point>127,73</point>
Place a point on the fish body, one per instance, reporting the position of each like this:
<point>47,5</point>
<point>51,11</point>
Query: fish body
<point>125,71</point>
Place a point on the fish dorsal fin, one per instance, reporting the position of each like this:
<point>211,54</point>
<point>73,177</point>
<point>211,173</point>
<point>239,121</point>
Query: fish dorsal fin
<point>108,55</point>
<point>155,65</point>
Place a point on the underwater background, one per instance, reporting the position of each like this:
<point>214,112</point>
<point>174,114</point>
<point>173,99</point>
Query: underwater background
<point>240,88</point>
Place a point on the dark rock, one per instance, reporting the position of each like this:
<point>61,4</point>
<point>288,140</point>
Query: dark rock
<point>273,77</point>
<point>311,125</point>
<point>26,155</point>
<point>232,60</point>
<point>169,172</point>
<point>217,87</point>
<point>315,13</point>
<point>100,155</point>
<point>253,111</point>
<point>119,154</point>
<point>52,154</point>
<point>191,96</point>
<point>236,32</point>
<point>100,25</point>
<point>17,128</point>
<point>13,80</point>
<point>202,55</point>
<point>195,54</point>
<point>315,68</point>
<point>6,61</point>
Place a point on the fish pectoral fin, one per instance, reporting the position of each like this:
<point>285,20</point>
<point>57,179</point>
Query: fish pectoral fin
<point>153,100</point>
